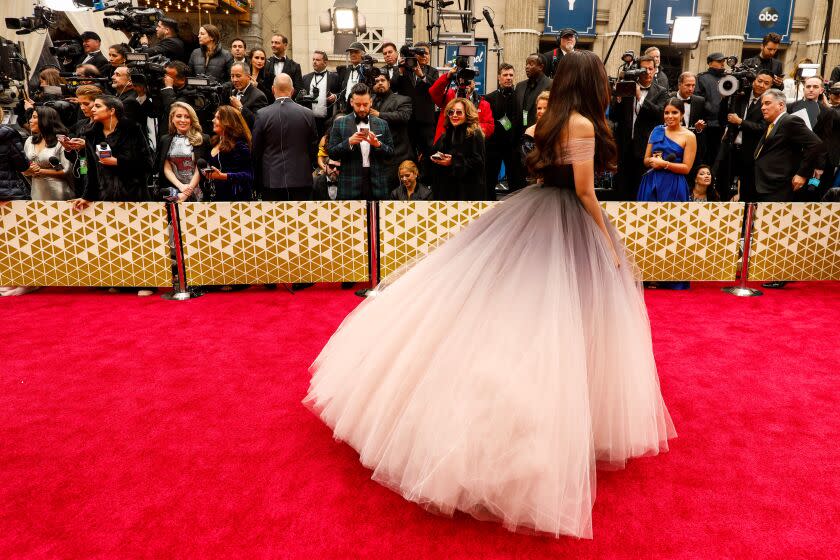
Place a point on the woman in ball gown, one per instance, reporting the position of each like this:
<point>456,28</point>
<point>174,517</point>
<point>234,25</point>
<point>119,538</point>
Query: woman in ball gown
<point>493,375</point>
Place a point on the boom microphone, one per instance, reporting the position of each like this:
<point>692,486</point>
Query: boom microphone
<point>486,12</point>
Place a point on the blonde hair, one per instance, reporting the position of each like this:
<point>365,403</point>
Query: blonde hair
<point>544,95</point>
<point>194,133</point>
<point>470,115</point>
<point>804,60</point>
<point>87,90</point>
<point>408,165</point>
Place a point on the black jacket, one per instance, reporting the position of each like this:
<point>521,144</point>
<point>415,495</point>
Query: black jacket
<point>707,87</point>
<point>790,149</point>
<point>421,192</point>
<point>199,152</point>
<point>12,163</point>
<point>551,58</point>
<point>252,101</point>
<point>98,59</point>
<point>170,47</point>
<point>218,66</point>
<point>290,67</point>
<point>464,179</point>
<point>697,109</point>
<point>774,65</point>
<point>751,128</point>
<point>285,146</point>
<point>650,116</point>
<point>423,108</point>
<point>128,180</point>
<point>504,103</point>
<point>395,109</point>
<point>527,92</point>
<point>330,81</point>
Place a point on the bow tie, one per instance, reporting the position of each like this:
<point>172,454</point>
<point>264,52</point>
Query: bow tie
<point>280,59</point>
<point>361,119</point>
<point>645,88</point>
<point>320,73</point>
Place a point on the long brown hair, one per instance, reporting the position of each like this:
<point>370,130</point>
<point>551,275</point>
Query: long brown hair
<point>216,36</point>
<point>234,128</point>
<point>580,85</point>
<point>470,116</point>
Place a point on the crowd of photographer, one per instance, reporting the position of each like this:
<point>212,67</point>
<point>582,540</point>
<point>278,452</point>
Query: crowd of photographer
<point>155,119</point>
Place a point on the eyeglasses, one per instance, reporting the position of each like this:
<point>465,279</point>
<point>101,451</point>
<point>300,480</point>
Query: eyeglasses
<point>331,166</point>
<point>455,113</point>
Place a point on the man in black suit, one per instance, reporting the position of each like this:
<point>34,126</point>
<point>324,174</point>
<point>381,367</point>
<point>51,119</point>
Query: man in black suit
<point>528,90</point>
<point>244,96</point>
<point>766,59</point>
<point>349,74</point>
<point>328,87</point>
<point>695,105</point>
<point>635,119</point>
<point>284,146</point>
<point>415,83</point>
<point>707,87</point>
<point>391,56</point>
<point>92,55</point>
<point>503,144</point>
<point>394,109</point>
<point>659,75</point>
<point>566,41</point>
<point>813,101</point>
<point>174,86</point>
<point>278,63</point>
<point>745,128</point>
<point>787,154</point>
<point>169,44</point>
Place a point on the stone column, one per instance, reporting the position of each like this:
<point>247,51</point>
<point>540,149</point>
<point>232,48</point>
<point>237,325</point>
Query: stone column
<point>519,36</point>
<point>815,35</point>
<point>275,17</point>
<point>726,29</point>
<point>252,34</point>
<point>630,37</point>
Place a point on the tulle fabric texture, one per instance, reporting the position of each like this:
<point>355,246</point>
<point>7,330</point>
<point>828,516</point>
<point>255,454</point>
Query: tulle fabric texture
<point>494,373</point>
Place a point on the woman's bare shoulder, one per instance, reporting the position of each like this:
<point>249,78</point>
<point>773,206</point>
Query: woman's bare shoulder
<point>580,127</point>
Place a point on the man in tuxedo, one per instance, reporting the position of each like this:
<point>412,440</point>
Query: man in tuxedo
<point>394,109</point>
<point>284,146</point>
<point>695,105</point>
<point>350,74</point>
<point>363,144</point>
<point>92,55</point>
<point>244,96</point>
<point>635,119</point>
<point>566,41</point>
<point>278,63</point>
<point>392,68</point>
<point>415,83</point>
<point>328,88</point>
<point>659,75</point>
<point>528,90</point>
<point>787,153</point>
<point>503,145</point>
<point>169,44</point>
<point>766,59</point>
<point>174,84</point>
<point>239,51</point>
<point>745,128</point>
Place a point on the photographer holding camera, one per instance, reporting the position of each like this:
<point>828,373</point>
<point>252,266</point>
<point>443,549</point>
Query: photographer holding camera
<point>463,80</point>
<point>174,87</point>
<point>416,77</point>
<point>169,44</point>
<point>320,91</point>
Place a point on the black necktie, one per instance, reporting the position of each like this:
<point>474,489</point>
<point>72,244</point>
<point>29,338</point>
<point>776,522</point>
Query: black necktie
<point>281,59</point>
<point>361,119</point>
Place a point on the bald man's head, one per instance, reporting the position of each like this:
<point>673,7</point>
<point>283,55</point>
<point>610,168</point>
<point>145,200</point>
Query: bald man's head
<point>282,86</point>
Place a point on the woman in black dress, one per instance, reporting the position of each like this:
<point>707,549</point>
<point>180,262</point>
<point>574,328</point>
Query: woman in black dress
<point>459,154</point>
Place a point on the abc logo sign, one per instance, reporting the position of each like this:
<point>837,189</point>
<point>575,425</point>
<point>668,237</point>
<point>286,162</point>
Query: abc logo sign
<point>768,17</point>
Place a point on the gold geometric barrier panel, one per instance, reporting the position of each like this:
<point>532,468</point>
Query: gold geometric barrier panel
<point>409,230</point>
<point>796,241</point>
<point>274,242</point>
<point>47,243</point>
<point>680,240</point>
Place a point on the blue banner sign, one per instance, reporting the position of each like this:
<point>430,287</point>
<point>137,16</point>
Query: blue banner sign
<point>661,14</point>
<point>769,16</point>
<point>479,62</point>
<point>577,14</point>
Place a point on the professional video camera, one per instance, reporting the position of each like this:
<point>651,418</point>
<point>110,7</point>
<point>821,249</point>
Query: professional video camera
<point>72,82</point>
<point>41,18</point>
<point>205,94</point>
<point>307,97</point>
<point>464,62</point>
<point>738,79</point>
<point>628,75</point>
<point>67,50</point>
<point>408,56</point>
<point>147,70</point>
<point>367,71</point>
<point>125,17</point>
<point>13,68</point>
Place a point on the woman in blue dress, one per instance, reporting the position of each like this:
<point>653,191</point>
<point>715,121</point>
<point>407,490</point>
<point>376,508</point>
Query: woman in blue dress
<point>670,156</point>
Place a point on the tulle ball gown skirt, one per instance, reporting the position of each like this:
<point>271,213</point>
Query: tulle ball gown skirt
<point>495,373</point>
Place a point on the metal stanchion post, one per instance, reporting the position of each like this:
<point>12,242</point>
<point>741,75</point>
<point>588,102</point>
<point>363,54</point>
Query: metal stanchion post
<point>180,290</point>
<point>742,290</point>
<point>373,249</point>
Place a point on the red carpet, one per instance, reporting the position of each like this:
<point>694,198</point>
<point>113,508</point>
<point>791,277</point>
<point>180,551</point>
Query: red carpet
<point>140,428</point>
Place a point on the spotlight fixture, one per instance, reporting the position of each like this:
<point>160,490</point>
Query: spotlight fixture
<point>685,31</point>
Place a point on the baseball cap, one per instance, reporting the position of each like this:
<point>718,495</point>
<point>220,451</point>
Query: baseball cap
<point>566,31</point>
<point>715,56</point>
<point>90,35</point>
<point>356,46</point>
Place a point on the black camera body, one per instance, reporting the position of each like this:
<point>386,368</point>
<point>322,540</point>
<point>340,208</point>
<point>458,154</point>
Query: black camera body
<point>67,49</point>
<point>147,70</point>
<point>41,18</point>
<point>304,97</point>
<point>408,54</point>
<point>738,80</point>
<point>464,63</point>
<point>205,94</point>
<point>142,21</point>
<point>628,76</point>
<point>368,72</point>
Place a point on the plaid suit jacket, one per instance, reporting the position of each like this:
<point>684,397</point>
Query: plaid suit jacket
<point>339,148</point>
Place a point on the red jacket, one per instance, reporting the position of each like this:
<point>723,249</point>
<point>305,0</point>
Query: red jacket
<point>485,113</point>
